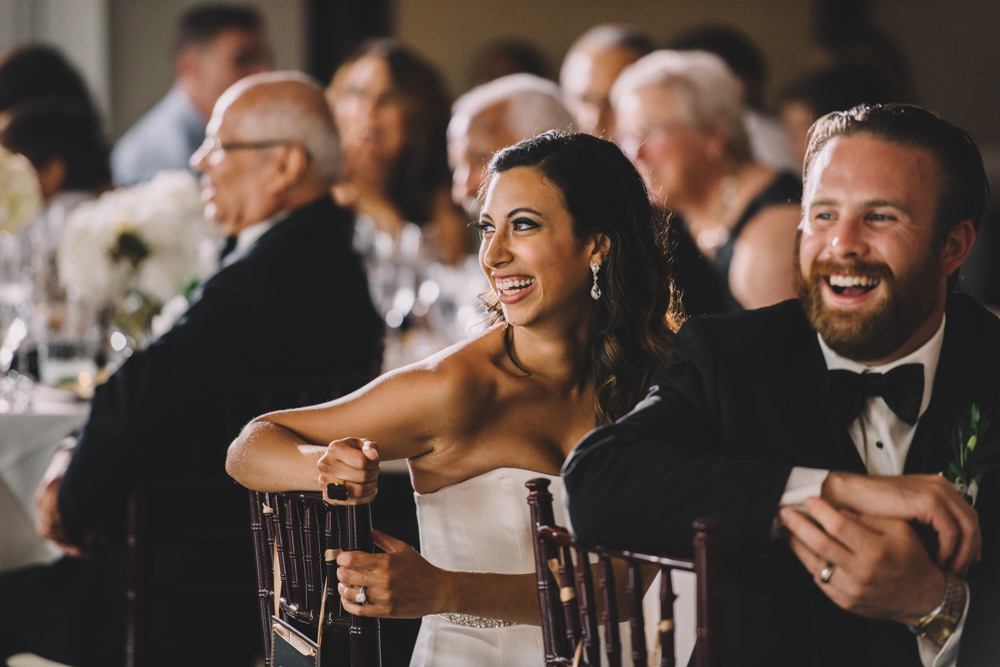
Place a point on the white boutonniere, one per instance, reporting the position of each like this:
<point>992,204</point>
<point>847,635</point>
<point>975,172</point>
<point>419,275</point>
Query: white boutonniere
<point>973,452</point>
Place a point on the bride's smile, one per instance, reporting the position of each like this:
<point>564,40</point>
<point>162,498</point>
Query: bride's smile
<point>535,263</point>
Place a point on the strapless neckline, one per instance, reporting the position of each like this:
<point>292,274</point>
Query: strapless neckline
<point>486,477</point>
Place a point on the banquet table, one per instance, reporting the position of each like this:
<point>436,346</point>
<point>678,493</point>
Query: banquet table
<point>27,442</point>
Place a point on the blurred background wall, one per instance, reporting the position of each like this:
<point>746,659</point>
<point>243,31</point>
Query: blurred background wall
<point>121,45</point>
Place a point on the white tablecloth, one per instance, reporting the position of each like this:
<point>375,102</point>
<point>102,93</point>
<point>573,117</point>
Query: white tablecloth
<point>27,442</point>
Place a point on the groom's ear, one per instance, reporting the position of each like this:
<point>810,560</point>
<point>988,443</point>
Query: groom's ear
<point>957,246</point>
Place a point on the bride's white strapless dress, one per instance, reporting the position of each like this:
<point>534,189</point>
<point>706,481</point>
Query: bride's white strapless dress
<point>483,525</point>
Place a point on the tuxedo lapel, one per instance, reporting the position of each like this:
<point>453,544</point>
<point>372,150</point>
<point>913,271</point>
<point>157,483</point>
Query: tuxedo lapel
<point>931,447</point>
<point>958,383</point>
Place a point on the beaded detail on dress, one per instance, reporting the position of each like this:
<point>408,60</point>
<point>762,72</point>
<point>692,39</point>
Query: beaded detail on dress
<point>470,621</point>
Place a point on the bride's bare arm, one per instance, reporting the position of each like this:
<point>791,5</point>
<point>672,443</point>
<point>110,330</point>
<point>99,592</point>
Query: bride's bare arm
<point>400,412</point>
<point>400,583</point>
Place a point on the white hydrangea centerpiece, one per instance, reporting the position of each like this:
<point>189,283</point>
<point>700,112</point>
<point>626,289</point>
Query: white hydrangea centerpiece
<point>136,248</point>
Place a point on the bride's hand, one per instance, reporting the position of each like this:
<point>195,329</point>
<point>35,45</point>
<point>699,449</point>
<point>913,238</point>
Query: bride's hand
<point>352,462</point>
<point>399,583</point>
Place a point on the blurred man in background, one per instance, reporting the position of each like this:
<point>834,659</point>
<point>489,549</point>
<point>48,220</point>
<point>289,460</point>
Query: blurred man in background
<point>214,46</point>
<point>492,116</point>
<point>590,68</point>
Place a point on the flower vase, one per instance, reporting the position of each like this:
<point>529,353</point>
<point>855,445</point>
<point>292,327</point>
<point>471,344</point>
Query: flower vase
<point>125,328</point>
<point>134,318</point>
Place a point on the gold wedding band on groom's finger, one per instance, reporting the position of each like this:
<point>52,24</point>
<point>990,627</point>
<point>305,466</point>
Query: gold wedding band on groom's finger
<point>826,573</point>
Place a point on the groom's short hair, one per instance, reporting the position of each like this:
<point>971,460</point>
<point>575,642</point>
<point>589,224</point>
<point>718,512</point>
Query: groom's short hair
<point>963,191</point>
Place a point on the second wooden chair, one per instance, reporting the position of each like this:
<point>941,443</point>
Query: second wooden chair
<point>575,614</point>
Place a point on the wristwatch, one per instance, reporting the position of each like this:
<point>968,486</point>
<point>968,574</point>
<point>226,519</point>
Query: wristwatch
<point>940,623</point>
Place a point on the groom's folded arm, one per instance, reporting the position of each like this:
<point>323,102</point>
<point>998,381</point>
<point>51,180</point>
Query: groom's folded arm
<point>641,481</point>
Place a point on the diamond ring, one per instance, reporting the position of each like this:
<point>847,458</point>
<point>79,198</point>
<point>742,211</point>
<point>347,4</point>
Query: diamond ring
<point>825,574</point>
<point>361,598</point>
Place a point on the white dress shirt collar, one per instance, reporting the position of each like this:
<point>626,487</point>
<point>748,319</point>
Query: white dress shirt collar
<point>248,235</point>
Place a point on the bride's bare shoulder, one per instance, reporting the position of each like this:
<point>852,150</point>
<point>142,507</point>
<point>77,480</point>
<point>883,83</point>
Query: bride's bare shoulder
<point>464,366</point>
<point>443,394</point>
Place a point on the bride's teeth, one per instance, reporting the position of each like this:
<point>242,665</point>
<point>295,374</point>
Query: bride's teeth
<point>513,285</point>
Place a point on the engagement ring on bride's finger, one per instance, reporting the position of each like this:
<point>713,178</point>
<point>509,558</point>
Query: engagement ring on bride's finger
<point>361,598</point>
<point>824,575</point>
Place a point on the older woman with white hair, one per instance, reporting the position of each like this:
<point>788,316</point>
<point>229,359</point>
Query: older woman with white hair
<point>680,120</point>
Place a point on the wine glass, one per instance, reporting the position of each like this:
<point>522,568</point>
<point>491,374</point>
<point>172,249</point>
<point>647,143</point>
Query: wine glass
<point>15,318</point>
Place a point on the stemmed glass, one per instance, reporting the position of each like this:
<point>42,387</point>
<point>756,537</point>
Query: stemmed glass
<point>15,317</point>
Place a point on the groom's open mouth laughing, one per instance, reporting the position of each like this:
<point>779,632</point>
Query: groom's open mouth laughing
<point>851,285</point>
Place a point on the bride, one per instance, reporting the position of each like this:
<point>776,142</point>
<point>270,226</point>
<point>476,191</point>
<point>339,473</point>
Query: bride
<point>584,314</point>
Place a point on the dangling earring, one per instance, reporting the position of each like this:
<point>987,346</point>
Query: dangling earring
<point>595,291</point>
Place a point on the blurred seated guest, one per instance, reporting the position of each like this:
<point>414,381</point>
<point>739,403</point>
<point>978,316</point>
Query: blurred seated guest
<point>680,119</point>
<point>590,68</point>
<point>493,116</point>
<point>62,139</point>
<point>36,71</point>
<point>768,141</point>
<point>818,92</point>
<point>269,313</point>
<point>214,45</point>
<point>509,55</point>
<point>47,114</point>
<point>391,109</point>
<point>583,312</point>
<point>64,142</point>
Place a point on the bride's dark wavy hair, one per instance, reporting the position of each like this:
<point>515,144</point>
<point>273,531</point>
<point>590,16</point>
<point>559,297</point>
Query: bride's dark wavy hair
<point>639,310</point>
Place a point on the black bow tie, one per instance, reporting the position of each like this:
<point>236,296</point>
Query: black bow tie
<point>902,388</point>
<point>228,245</point>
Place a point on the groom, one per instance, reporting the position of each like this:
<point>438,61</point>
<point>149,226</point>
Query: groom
<point>841,543</point>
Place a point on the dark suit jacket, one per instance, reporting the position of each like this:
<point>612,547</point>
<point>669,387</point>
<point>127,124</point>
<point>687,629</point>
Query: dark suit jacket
<point>744,399</point>
<point>293,304</point>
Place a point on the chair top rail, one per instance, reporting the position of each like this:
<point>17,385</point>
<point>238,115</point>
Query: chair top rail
<point>562,537</point>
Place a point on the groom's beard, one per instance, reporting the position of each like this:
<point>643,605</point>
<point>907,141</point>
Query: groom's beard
<point>876,330</point>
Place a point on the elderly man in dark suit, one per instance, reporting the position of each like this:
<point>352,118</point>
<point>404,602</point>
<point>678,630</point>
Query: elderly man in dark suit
<point>289,301</point>
<point>841,543</point>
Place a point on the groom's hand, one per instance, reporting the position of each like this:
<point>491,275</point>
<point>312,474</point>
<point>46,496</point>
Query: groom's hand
<point>879,566</point>
<point>926,499</point>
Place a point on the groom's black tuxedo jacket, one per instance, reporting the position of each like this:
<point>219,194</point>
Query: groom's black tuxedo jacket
<point>743,400</point>
<point>293,304</point>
